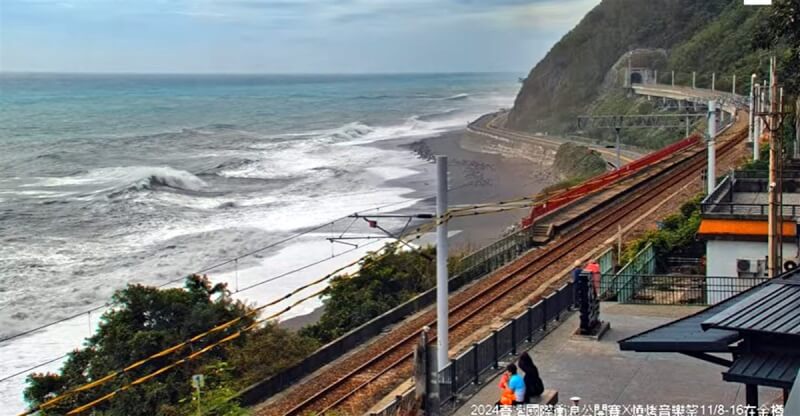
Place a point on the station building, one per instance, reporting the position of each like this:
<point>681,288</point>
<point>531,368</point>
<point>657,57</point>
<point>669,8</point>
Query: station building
<point>734,227</point>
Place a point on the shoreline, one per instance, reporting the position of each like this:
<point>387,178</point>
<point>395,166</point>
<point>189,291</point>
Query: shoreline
<point>474,177</point>
<point>479,172</point>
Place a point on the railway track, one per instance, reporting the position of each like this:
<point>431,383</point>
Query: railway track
<point>390,357</point>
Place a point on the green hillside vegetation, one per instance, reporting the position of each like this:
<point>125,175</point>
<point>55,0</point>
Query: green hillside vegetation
<point>618,101</point>
<point>725,37</point>
<point>574,162</point>
<point>570,76</point>
<point>675,232</point>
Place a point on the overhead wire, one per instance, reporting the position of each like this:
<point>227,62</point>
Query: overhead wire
<point>201,271</point>
<point>189,357</point>
<point>419,231</point>
<point>218,328</point>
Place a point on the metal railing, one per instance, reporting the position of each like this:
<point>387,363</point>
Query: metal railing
<point>764,174</point>
<point>735,208</point>
<point>497,254</point>
<point>653,289</point>
<point>607,261</point>
<point>483,358</point>
<point>621,285</point>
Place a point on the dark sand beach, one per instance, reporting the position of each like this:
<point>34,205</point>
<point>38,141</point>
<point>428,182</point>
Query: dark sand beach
<point>478,173</point>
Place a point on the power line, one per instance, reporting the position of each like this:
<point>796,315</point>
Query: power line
<point>204,270</point>
<point>28,370</point>
<point>217,328</point>
<point>418,231</point>
<point>273,278</point>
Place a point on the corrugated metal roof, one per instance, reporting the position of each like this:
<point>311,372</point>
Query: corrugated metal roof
<point>685,334</point>
<point>765,369</point>
<point>770,308</point>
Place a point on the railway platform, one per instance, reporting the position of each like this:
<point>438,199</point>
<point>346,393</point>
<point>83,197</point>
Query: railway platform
<point>599,373</point>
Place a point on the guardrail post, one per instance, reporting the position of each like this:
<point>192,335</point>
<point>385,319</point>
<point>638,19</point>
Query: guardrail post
<point>476,364</point>
<point>453,377</point>
<point>513,337</point>
<point>494,349</point>
<point>544,314</point>
<point>558,309</point>
<point>530,324</point>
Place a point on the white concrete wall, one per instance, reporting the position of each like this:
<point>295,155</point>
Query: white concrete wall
<point>721,259</point>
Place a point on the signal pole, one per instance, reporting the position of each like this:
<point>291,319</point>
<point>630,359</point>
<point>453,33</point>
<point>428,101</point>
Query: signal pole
<point>711,175</point>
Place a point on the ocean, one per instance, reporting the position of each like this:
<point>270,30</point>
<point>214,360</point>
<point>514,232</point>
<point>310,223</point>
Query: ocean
<point>107,180</point>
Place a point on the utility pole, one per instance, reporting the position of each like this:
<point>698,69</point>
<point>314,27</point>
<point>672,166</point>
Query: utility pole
<point>712,151</point>
<point>694,79</point>
<point>713,81</point>
<point>775,227</point>
<point>442,291</point>
<point>673,78</point>
<point>796,153</point>
<point>752,130</point>
<point>733,88</point>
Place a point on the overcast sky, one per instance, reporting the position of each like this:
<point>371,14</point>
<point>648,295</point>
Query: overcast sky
<point>282,36</point>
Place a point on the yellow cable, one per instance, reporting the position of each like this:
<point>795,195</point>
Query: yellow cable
<point>190,357</point>
<point>177,347</point>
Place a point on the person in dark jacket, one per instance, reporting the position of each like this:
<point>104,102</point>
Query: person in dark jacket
<point>533,383</point>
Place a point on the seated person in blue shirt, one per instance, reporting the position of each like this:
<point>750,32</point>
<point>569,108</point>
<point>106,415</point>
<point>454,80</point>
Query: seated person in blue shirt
<point>516,383</point>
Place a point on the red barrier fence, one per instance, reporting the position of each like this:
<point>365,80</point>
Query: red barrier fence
<point>601,181</point>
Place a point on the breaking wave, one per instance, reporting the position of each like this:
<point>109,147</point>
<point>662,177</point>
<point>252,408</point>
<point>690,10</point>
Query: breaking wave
<point>120,179</point>
<point>457,97</point>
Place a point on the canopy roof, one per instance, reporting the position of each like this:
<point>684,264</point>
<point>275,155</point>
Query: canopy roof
<point>765,369</point>
<point>772,308</point>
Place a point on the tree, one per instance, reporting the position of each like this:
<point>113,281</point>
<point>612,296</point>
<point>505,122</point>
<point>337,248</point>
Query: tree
<point>143,321</point>
<point>383,282</point>
<point>780,32</point>
<point>268,351</point>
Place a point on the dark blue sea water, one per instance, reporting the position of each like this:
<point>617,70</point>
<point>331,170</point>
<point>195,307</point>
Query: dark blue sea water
<point>111,179</point>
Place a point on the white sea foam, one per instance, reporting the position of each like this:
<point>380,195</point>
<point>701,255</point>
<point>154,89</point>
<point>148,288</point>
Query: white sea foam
<point>116,179</point>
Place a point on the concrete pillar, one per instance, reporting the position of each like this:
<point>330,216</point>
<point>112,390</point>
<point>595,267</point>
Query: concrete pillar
<point>673,78</point>
<point>751,119</point>
<point>694,79</point>
<point>656,76</point>
<point>628,72</point>
<point>712,150</point>
<point>733,89</point>
<point>442,290</point>
<point>713,81</point>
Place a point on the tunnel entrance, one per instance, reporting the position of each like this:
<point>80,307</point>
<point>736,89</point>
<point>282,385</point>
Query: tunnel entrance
<point>636,78</point>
